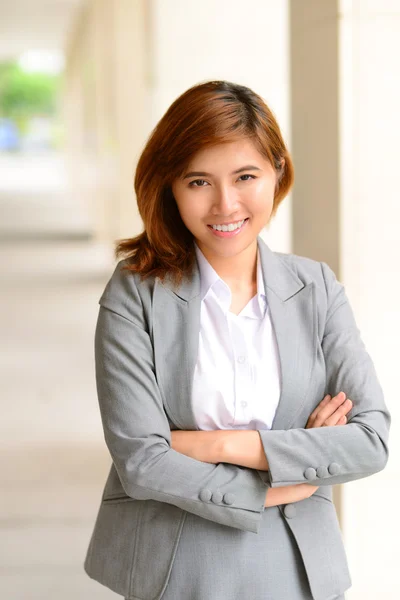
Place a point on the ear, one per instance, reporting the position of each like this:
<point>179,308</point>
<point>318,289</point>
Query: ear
<point>280,173</point>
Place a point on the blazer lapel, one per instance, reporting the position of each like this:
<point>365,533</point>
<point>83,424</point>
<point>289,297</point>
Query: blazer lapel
<point>293,315</point>
<point>176,325</point>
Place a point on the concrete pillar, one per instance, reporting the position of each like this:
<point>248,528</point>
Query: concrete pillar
<point>73,108</point>
<point>345,98</point>
<point>105,201</point>
<point>106,111</point>
<point>315,136</point>
<point>131,106</point>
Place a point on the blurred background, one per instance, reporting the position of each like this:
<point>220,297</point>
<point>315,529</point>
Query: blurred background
<point>82,83</point>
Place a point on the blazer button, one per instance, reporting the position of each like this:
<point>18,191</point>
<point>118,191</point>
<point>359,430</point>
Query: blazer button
<point>310,473</point>
<point>217,497</point>
<point>322,472</point>
<point>205,495</point>
<point>229,498</point>
<point>334,468</point>
<point>289,511</point>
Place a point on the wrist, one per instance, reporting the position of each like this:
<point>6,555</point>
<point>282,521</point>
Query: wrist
<point>221,452</point>
<point>244,448</point>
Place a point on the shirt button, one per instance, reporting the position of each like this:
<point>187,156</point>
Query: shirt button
<point>243,403</point>
<point>241,359</point>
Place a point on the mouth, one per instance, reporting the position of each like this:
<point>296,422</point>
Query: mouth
<point>229,232</point>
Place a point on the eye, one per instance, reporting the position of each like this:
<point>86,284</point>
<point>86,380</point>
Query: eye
<point>248,175</point>
<point>191,184</point>
<point>200,182</point>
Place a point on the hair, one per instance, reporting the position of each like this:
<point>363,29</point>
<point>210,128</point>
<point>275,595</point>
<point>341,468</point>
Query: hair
<point>207,114</point>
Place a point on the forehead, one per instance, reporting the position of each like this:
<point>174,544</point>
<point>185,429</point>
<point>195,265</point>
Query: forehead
<point>230,153</point>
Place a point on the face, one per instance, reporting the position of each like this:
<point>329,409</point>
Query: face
<point>225,185</point>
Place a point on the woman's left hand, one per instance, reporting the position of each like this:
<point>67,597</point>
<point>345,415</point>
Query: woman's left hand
<point>331,411</point>
<point>205,446</point>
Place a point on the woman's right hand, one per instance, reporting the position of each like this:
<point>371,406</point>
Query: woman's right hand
<point>329,412</point>
<point>289,493</point>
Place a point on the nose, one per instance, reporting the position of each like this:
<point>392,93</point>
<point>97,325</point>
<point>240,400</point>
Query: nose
<point>225,201</point>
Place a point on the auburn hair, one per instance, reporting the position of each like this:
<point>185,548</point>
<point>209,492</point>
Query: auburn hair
<point>207,114</point>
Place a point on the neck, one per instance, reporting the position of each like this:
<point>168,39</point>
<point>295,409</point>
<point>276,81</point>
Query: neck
<point>240,271</point>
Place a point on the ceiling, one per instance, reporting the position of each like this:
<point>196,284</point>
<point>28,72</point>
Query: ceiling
<point>34,24</point>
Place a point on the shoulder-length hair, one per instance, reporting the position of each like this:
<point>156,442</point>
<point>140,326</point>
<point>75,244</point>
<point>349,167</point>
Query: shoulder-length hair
<point>210,113</point>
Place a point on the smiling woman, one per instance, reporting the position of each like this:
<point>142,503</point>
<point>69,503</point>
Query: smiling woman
<point>227,204</point>
<point>223,372</point>
<point>216,157</point>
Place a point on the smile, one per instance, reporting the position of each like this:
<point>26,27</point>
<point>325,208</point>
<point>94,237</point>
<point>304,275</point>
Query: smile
<point>228,230</point>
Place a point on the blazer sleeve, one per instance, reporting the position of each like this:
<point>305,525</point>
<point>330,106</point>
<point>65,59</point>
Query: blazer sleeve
<point>334,455</point>
<point>137,432</point>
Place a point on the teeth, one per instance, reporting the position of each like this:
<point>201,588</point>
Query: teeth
<point>230,227</point>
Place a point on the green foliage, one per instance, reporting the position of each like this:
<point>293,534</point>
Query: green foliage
<point>23,95</point>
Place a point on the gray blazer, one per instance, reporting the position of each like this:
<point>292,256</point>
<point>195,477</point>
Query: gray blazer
<point>145,352</point>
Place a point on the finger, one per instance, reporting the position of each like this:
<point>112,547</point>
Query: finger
<point>342,420</point>
<point>339,413</point>
<point>328,410</point>
<point>323,403</point>
<point>329,401</point>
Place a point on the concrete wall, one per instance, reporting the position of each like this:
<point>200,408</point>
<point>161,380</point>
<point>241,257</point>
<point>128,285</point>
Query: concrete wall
<point>345,93</point>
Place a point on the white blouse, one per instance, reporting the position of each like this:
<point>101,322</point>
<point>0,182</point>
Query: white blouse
<point>237,377</point>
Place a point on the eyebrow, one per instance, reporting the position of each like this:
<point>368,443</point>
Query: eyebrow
<point>205,174</point>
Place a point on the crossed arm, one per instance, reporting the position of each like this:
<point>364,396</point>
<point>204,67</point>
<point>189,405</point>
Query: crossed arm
<point>245,448</point>
<point>230,446</point>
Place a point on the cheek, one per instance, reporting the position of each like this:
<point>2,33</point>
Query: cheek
<point>189,211</point>
<point>260,200</point>
<point>180,202</point>
<point>265,189</point>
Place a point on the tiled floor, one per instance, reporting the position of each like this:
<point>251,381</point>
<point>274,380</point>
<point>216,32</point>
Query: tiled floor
<point>53,457</point>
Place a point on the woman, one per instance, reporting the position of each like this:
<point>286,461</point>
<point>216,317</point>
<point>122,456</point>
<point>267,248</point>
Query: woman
<point>224,374</point>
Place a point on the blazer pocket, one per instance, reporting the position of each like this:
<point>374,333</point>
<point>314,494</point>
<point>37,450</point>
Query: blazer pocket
<point>157,539</point>
<point>118,498</point>
<point>324,492</point>
<point>316,529</point>
<point>133,546</point>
